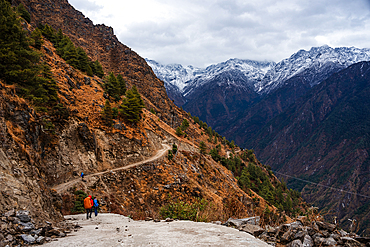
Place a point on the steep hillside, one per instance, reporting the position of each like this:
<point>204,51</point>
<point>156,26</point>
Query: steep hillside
<point>324,137</point>
<point>250,120</point>
<point>101,44</point>
<point>220,99</point>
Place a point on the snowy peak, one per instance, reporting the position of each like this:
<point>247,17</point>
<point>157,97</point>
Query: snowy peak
<point>174,74</point>
<point>318,59</point>
<point>188,78</point>
<point>314,65</point>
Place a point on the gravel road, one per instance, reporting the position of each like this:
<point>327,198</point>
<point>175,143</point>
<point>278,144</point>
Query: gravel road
<point>118,230</point>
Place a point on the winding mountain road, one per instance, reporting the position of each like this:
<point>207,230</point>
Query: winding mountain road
<point>160,153</point>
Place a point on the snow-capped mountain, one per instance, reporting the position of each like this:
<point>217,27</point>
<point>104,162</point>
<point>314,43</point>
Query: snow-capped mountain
<point>317,64</point>
<point>240,73</point>
<point>233,72</point>
<point>175,74</point>
<point>238,97</point>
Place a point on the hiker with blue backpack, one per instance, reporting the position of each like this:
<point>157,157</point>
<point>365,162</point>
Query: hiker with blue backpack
<point>96,205</point>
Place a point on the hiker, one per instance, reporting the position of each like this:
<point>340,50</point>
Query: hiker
<point>82,175</point>
<point>96,205</point>
<point>88,203</point>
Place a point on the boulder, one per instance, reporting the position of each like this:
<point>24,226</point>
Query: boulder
<point>28,239</point>
<point>311,231</point>
<point>52,232</point>
<point>36,232</point>
<point>252,229</point>
<point>267,238</point>
<point>295,243</point>
<point>307,241</point>
<point>239,222</point>
<point>119,126</point>
<point>9,238</point>
<point>26,227</point>
<point>295,224</point>
<point>325,226</point>
<point>287,237</point>
<point>40,240</point>
<point>70,82</point>
<point>23,215</point>
<point>320,241</point>
<point>10,213</point>
<point>300,234</point>
<point>87,80</point>
<point>343,233</point>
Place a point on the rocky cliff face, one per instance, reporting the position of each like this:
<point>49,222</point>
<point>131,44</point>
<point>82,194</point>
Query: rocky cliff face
<point>22,183</point>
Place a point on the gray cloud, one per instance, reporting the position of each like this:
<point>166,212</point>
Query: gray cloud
<point>85,5</point>
<point>210,31</point>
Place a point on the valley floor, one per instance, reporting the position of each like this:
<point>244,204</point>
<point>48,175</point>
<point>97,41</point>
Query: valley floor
<point>118,230</point>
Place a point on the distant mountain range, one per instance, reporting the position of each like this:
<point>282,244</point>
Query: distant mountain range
<point>238,97</point>
<point>306,116</point>
<point>263,77</point>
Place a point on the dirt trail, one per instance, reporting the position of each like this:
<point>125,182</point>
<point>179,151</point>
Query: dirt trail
<point>117,230</point>
<point>160,153</point>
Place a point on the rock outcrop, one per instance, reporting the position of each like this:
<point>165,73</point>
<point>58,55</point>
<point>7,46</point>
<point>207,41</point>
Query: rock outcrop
<point>301,233</point>
<point>19,229</point>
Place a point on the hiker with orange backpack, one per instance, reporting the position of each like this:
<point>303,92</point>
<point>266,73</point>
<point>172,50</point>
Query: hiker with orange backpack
<point>88,203</point>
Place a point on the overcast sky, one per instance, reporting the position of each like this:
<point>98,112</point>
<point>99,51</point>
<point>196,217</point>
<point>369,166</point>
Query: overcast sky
<point>204,32</point>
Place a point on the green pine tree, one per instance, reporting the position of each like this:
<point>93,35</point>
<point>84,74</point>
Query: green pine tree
<point>111,86</point>
<point>107,114</point>
<point>59,37</point>
<point>48,32</point>
<point>98,69</point>
<point>174,148</point>
<point>24,13</point>
<point>89,71</point>
<point>184,124</point>
<point>179,131</point>
<point>121,85</point>
<point>137,95</point>
<point>83,59</point>
<point>37,38</point>
<point>202,147</point>
<point>70,54</point>
<point>18,61</point>
<point>132,105</point>
<point>170,155</point>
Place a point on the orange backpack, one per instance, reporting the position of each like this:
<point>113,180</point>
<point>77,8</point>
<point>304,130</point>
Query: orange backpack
<point>87,203</point>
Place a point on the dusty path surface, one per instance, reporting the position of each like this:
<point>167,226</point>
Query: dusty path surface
<point>160,153</point>
<point>118,230</point>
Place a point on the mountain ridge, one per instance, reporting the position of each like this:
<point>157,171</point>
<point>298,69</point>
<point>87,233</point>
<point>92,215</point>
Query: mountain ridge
<point>323,138</point>
<point>269,75</point>
<point>266,93</point>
